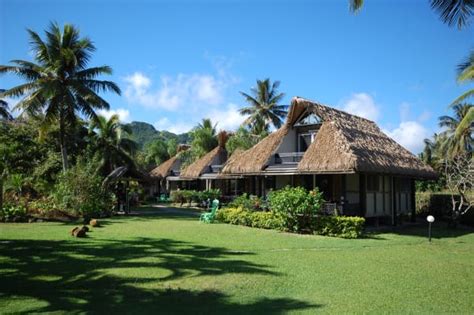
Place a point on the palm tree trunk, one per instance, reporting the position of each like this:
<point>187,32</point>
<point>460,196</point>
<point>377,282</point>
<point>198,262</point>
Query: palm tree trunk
<point>62,143</point>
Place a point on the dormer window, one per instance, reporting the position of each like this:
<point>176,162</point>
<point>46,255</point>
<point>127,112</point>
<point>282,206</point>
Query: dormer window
<point>308,119</point>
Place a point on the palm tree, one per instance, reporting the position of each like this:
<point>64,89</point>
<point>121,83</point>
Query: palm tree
<point>109,138</point>
<point>4,108</point>
<point>263,109</point>
<point>204,137</point>
<point>456,140</point>
<point>466,75</point>
<point>451,11</point>
<point>59,84</point>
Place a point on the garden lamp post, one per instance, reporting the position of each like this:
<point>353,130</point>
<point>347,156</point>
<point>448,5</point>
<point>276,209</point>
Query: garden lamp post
<point>430,220</point>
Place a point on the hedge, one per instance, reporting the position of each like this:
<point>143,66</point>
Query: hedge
<point>258,219</point>
<point>338,226</point>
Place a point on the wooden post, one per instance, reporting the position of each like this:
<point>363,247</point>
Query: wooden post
<point>362,195</point>
<point>413,200</point>
<point>394,204</point>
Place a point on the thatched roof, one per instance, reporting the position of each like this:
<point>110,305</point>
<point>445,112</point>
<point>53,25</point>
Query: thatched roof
<point>217,156</point>
<point>256,158</point>
<point>345,143</point>
<point>164,169</point>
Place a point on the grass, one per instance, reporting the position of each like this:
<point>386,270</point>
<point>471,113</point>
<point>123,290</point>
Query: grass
<point>170,263</point>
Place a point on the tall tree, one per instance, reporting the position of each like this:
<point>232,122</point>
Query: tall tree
<point>156,152</point>
<point>451,12</point>
<point>204,137</point>
<point>59,84</point>
<point>4,108</point>
<point>452,143</point>
<point>264,110</point>
<point>111,144</point>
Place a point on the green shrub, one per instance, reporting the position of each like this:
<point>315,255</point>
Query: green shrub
<point>189,196</point>
<point>13,213</point>
<point>296,206</point>
<point>338,226</point>
<point>247,202</point>
<point>240,216</point>
<point>79,191</point>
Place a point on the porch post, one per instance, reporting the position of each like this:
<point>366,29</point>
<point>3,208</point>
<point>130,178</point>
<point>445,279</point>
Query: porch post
<point>362,195</point>
<point>394,203</point>
<point>314,181</point>
<point>413,199</point>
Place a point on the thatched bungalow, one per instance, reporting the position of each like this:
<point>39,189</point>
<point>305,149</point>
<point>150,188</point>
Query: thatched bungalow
<point>358,168</point>
<point>167,174</point>
<point>205,173</point>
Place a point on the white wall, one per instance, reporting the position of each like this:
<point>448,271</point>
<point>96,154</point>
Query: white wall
<point>288,143</point>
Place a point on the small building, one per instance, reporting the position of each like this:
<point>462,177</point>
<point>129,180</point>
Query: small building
<point>357,167</point>
<point>360,170</point>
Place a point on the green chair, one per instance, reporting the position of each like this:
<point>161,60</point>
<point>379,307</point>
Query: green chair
<point>208,217</point>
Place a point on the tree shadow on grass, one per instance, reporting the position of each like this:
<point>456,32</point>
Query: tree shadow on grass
<point>117,277</point>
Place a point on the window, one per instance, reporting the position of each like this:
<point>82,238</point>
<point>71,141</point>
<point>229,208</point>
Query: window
<point>308,119</point>
<point>305,140</point>
<point>373,183</point>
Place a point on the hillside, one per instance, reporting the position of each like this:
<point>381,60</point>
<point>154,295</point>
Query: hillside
<point>144,133</point>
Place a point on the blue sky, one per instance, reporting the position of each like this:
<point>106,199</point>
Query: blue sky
<point>179,61</point>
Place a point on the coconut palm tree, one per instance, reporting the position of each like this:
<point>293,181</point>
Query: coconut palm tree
<point>59,84</point>
<point>452,12</point>
<point>263,110</point>
<point>456,140</point>
<point>4,108</point>
<point>466,75</point>
<point>110,142</point>
<point>204,137</point>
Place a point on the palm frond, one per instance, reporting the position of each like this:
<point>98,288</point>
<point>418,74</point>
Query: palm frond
<point>454,12</point>
<point>355,5</point>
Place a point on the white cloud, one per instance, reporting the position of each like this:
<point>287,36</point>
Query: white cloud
<point>176,92</point>
<point>123,114</point>
<point>227,119</point>
<point>174,127</point>
<point>363,105</point>
<point>410,134</point>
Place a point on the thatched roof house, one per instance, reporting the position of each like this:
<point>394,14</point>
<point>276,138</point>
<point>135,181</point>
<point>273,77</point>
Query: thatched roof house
<point>170,166</point>
<point>216,157</point>
<point>344,143</point>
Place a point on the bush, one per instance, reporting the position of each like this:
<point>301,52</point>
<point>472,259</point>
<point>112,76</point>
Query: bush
<point>199,197</point>
<point>247,202</point>
<point>240,216</point>
<point>338,226</point>
<point>13,213</point>
<point>296,206</point>
<point>79,192</point>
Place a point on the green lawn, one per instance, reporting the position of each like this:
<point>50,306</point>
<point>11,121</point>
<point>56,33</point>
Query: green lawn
<point>171,263</point>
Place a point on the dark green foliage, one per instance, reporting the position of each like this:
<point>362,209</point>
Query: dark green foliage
<point>338,226</point>
<point>296,205</point>
<point>13,213</point>
<point>247,202</point>
<point>243,139</point>
<point>257,219</point>
<point>79,191</point>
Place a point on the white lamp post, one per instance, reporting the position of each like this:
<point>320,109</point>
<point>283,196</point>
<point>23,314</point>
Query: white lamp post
<point>430,220</point>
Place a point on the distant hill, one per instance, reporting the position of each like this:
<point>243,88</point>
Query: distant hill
<point>143,133</point>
